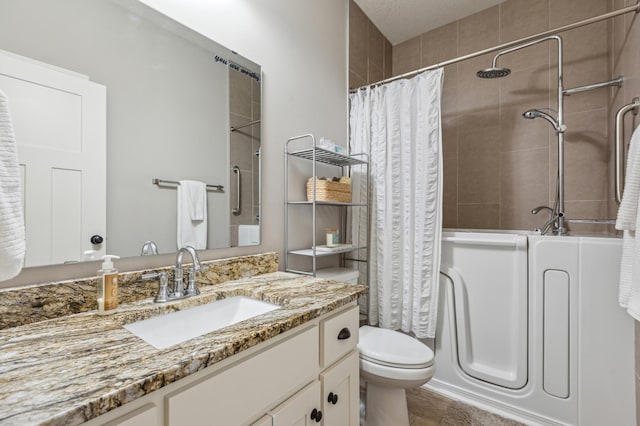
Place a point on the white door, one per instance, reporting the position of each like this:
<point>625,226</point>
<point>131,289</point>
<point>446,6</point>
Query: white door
<point>59,120</point>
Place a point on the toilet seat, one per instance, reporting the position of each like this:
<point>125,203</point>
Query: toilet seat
<point>393,349</point>
<point>394,376</point>
<point>396,365</point>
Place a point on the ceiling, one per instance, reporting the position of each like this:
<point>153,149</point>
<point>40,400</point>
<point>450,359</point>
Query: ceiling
<point>400,20</point>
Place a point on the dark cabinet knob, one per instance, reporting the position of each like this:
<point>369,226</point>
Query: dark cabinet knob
<point>333,398</point>
<point>96,239</point>
<point>316,415</point>
<point>344,334</point>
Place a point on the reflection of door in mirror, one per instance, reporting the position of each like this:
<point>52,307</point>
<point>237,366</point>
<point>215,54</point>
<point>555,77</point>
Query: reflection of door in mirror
<point>168,111</point>
<point>244,155</point>
<point>60,125</point>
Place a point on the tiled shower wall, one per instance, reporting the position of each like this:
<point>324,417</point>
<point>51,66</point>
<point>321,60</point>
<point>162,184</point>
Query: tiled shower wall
<point>624,46</point>
<point>624,59</point>
<point>498,165</point>
<point>369,50</point>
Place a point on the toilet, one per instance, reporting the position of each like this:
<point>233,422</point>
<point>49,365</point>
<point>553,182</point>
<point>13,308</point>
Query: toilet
<point>391,362</point>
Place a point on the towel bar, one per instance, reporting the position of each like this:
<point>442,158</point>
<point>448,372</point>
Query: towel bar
<point>159,182</point>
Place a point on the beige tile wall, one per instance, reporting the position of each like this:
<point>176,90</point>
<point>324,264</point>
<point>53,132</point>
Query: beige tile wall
<point>369,50</point>
<point>243,145</point>
<point>624,59</point>
<point>498,165</point>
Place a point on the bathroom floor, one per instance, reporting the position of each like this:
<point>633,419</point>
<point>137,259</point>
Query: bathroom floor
<point>430,409</point>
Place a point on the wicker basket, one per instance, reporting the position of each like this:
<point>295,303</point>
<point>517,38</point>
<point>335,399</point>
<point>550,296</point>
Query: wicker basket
<point>327,190</point>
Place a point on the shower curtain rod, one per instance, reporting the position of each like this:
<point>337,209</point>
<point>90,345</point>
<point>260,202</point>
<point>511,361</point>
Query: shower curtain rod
<point>635,8</point>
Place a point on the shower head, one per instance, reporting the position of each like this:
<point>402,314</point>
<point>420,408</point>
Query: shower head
<point>493,72</point>
<point>536,113</point>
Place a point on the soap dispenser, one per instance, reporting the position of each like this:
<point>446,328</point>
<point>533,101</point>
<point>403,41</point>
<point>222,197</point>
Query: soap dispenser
<point>108,286</point>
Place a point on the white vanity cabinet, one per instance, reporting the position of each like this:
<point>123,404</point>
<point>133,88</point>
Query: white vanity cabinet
<point>279,382</point>
<point>334,400</point>
<point>240,394</point>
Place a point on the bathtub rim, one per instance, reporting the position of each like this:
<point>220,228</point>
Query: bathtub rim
<point>451,231</point>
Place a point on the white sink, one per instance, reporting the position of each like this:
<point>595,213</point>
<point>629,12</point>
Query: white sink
<point>170,329</point>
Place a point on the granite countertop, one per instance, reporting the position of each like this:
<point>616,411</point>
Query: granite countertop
<point>71,369</point>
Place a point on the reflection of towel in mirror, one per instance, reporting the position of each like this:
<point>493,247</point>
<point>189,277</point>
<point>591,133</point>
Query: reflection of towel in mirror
<point>629,222</point>
<point>12,233</point>
<point>192,214</point>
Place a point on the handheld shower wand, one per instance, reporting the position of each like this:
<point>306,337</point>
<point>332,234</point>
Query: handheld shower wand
<point>536,113</point>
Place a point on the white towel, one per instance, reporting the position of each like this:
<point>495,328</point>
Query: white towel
<point>628,221</point>
<point>192,214</point>
<point>12,233</point>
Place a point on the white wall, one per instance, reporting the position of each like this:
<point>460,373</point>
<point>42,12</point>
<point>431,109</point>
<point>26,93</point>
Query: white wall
<point>302,47</point>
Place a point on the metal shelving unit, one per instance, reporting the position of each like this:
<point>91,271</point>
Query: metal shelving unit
<point>314,154</point>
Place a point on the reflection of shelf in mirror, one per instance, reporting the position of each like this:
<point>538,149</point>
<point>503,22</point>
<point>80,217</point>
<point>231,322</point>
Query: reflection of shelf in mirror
<point>319,252</point>
<point>242,126</point>
<point>328,157</point>
<point>327,203</point>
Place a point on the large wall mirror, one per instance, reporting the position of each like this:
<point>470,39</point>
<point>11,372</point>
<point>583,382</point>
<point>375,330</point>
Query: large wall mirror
<point>113,88</point>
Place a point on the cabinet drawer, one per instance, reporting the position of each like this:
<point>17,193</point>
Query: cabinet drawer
<point>339,335</point>
<point>243,392</point>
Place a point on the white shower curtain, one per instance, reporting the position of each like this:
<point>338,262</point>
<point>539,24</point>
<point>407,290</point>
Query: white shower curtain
<point>399,126</point>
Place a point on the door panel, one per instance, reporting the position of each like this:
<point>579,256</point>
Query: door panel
<point>297,410</point>
<point>342,382</point>
<point>488,273</point>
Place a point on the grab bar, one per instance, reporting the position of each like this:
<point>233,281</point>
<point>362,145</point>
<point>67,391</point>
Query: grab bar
<point>633,106</point>
<point>591,221</point>
<point>236,210</point>
<point>615,82</point>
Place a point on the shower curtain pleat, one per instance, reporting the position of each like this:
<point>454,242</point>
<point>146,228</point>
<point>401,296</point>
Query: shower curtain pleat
<point>398,125</point>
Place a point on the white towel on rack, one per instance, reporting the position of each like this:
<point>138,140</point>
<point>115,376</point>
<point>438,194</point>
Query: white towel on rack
<point>192,214</point>
<point>12,232</point>
<point>629,221</point>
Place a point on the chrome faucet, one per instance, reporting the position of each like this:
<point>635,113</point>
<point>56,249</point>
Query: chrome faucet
<point>552,222</point>
<point>536,210</point>
<point>178,285</point>
<point>178,292</point>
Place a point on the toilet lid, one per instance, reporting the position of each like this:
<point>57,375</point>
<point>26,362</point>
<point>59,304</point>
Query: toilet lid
<point>388,347</point>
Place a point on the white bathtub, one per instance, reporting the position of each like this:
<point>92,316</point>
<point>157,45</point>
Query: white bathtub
<point>530,327</point>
